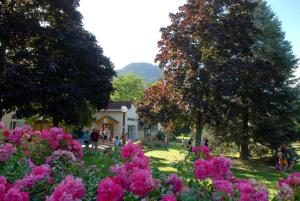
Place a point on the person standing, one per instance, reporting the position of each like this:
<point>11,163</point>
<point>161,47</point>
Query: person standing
<point>86,139</point>
<point>95,136</point>
<point>167,141</point>
<point>117,142</point>
<point>80,134</point>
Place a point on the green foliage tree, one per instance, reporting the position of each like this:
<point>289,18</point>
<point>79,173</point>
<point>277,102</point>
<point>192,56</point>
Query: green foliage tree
<point>50,65</point>
<point>128,87</point>
<point>263,96</point>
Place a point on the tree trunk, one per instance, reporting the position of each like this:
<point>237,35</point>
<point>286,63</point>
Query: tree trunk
<point>55,122</point>
<point>199,129</point>
<point>244,152</point>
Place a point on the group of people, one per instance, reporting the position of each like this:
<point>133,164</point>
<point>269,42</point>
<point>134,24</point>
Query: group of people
<point>286,158</point>
<point>95,137</point>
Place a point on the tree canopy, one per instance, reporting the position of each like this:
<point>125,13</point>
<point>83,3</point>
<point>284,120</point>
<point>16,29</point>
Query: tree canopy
<point>50,65</point>
<point>128,87</point>
<point>159,106</point>
<point>230,62</point>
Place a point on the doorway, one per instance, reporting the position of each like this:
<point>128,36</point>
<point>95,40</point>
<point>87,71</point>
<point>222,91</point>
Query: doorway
<point>109,127</point>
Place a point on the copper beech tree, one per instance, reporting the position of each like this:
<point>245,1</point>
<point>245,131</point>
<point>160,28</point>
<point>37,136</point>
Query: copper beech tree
<point>159,105</point>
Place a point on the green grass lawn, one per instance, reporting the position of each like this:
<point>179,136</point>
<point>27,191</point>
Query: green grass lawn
<point>258,170</point>
<point>164,158</point>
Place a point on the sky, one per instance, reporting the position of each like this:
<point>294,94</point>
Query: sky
<point>128,30</point>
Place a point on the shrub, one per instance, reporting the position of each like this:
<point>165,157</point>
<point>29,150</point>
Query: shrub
<point>63,175</point>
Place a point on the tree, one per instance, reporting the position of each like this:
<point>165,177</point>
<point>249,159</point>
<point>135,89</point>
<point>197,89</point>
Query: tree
<point>61,64</point>
<point>128,87</point>
<point>189,53</point>
<point>159,106</point>
<point>231,63</point>
<point>263,92</point>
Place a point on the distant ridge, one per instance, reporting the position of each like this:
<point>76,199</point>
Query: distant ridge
<point>149,72</point>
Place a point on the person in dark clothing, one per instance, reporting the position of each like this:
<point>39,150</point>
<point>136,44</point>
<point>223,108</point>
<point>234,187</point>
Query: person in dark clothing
<point>95,136</point>
<point>189,146</point>
<point>206,142</point>
<point>80,135</point>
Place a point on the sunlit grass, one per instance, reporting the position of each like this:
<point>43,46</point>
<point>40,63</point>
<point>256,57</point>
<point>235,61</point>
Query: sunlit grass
<point>257,170</point>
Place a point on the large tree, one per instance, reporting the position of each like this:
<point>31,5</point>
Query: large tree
<point>263,104</point>
<point>159,105</point>
<point>128,87</point>
<point>61,65</point>
<point>189,53</point>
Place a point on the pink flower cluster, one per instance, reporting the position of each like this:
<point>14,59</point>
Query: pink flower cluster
<point>168,198</point>
<point>175,183</point>
<point>108,190</point>
<point>251,190</point>
<point>216,168</point>
<point>69,189</point>
<point>6,150</point>
<point>16,136</point>
<point>134,175</point>
<point>60,140</point>
<point>203,150</point>
<point>61,154</point>
<point>289,187</point>
<point>223,186</point>
<point>9,193</point>
<point>38,173</point>
<point>2,125</point>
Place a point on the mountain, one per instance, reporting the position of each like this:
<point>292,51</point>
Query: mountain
<point>149,72</point>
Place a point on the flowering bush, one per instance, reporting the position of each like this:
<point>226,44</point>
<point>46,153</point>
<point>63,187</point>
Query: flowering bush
<point>6,150</point>
<point>109,190</point>
<point>289,189</point>
<point>69,189</point>
<point>46,165</point>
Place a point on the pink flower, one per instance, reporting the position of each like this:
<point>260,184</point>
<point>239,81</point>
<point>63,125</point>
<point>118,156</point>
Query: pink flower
<point>175,182</point>
<point>203,149</point>
<point>16,135</point>
<point>130,150</point>
<point>31,164</point>
<point>251,190</point>
<point>221,168</point>
<point>69,189</point>
<point>141,182</point>
<point>285,193</point>
<point>6,133</point>
<point>44,134</point>
<point>108,190</point>
<point>2,125</point>
<point>14,194</point>
<point>138,162</point>
<point>55,136</point>
<point>75,147</point>
<point>223,186</point>
<point>38,173</point>
<point>6,150</point>
<point>294,179</point>
<point>203,169</point>
<point>4,186</point>
<point>61,154</point>
<point>168,198</point>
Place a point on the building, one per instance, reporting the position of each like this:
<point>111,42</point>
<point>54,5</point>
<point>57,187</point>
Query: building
<point>112,118</point>
<point>11,122</point>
